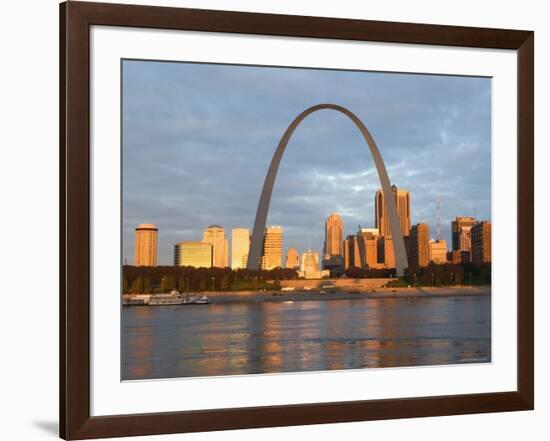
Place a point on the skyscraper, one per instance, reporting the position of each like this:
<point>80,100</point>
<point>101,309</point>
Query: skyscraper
<point>481,242</point>
<point>385,251</point>
<point>240,243</point>
<point>334,228</point>
<point>272,256</point>
<point>361,250</point>
<point>461,231</point>
<point>195,254</point>
<point>215,236</point>
<point>465,238</point>
<point>367,242</point>
<point>351,252</point>
<point>419,251</point>
<point>333,248</point>
<point>402,200</point>
<point>145,253</point>
<point>292,260</point>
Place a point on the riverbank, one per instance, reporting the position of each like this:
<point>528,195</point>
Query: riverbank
<point>336,294</point>
<point>274,296</point>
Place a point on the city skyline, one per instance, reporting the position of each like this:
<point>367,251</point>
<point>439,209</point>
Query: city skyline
<point>169,144</point>
<point>376,251</point>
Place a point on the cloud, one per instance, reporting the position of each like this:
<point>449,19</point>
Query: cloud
<point>198,139</point>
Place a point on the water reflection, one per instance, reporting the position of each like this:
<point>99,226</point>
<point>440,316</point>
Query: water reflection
<point>140,345</point>
<point>268,337</point>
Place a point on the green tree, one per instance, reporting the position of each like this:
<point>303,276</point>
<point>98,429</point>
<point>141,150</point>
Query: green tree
<point>137,285</point>
<point>224,284</point>
<point>146,285</point>
<point>202,284</point>
<point>168,283</point>
<point>182,286</point>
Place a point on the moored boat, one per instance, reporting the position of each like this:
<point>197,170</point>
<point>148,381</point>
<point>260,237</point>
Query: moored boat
<point>174,298</point>
<point>134,302</point>
<point>204,300</point>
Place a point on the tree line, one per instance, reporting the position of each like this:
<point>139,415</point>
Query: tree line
<point>163,279</point>
<point>445,275</point>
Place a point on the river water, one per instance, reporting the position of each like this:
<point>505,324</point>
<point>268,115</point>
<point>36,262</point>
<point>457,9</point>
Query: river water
<point>280,336</point>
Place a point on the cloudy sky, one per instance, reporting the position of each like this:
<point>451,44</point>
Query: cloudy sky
<point>198,140</point>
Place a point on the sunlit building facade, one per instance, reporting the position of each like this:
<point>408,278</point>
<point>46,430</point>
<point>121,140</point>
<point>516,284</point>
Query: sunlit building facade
<point>402,199</point>
<point>461,232</point>
<point>215,236</point>
<point>419,250</point>
<point>481,242</point>
<point>351,251</point>
<point>386,255</point>
<point>145,253</point>
<point>438,251</point>
<point>309,266</point>
<point>292,260</point>
<point>272,255</point>
<point>195,254</point>
<point>333,248</point>
<point>240,244</point>
<point>334,230</point>
<point>309,261</point>
<point>368,249</point>
<point>361,250</point>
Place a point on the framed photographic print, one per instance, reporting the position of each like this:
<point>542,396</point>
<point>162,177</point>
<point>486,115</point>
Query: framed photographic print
<point>275,220</point>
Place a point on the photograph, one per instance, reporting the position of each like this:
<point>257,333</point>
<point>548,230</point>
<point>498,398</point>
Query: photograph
<point>286,219</point>
<point>275,220</point>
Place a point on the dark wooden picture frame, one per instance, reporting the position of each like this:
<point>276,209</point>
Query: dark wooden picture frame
<point>75,21</point>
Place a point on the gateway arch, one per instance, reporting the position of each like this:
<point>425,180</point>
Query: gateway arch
<point>256,245</point>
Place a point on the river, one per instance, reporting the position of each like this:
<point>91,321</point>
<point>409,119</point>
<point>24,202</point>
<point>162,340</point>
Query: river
<point>292,336</point>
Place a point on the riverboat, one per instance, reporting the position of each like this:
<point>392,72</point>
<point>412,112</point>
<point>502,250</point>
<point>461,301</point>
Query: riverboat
<point>171,299</point>
<point>166,299</point>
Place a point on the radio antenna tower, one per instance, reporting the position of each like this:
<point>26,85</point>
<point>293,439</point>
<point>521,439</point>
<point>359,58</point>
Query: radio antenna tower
<point>439,236</point>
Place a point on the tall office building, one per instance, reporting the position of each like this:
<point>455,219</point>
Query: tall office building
<point>386,255</point>
<point>145,253</point>
<point>481,242</point>
<point>195,254</point>
<point>215,236</point>
<point>419,250</point>
<point>438,251</point>
<point>465,238</point>
<point>333,249</point>
<point>461,232</point>
<point>240,243</point>
<point>368,248</point>
<point>361,250</point>
<point>272,256</point>
<point>351,251</point>
<point>292,261</point>
<point>402,199</point>
<point>334,228</point>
